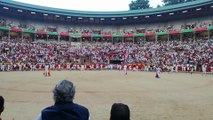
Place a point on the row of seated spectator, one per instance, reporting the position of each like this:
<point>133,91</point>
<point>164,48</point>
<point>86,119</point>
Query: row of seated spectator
<point>161,53</point>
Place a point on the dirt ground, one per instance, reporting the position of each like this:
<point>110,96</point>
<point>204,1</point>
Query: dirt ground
<point>175,96</point>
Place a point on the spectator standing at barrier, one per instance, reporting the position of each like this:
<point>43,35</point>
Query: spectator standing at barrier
<point>46,70</point>
<point>119,111</point>
<point>125,69</point>
<point>158,71</point>
<point>64,107</point>
<point>204,69</point>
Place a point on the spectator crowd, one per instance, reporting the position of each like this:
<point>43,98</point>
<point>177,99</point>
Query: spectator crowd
<point>17,55</point>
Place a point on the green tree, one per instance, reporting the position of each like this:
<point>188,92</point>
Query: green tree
<point>158,6</point>
<point>139,4</point>
<point>190,0</point>
<point>173,2</point>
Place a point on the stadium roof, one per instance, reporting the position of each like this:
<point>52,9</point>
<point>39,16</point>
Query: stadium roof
<point>179,11</point>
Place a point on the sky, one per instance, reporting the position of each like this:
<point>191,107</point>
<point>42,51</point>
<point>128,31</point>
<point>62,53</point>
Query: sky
<point>88,5</point>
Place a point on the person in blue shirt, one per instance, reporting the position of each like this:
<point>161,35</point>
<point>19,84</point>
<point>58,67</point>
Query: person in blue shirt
<point>64,107</point>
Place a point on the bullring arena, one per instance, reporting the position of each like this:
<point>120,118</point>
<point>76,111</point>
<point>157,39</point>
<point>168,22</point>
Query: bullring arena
<point>175,96</point>
<point>92,49</point>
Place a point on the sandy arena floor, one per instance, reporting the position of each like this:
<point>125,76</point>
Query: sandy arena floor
<point>176,96</point>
